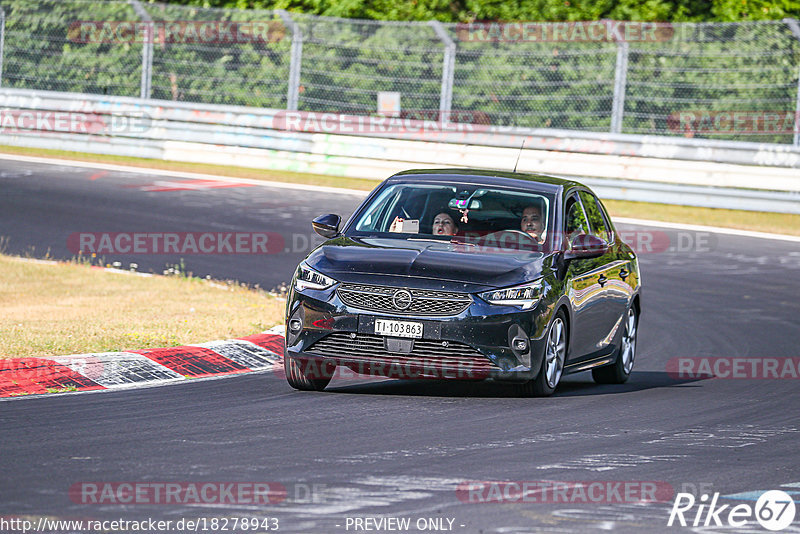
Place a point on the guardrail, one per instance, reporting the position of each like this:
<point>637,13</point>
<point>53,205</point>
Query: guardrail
<point>734,175</point>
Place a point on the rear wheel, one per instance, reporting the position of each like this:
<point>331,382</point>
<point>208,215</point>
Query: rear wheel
<point>306,380</point>
<point>619,371</point>
<point>555,353</point>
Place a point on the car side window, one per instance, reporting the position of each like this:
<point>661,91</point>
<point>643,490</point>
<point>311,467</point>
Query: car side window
<point>607,220</point>
<point>575,218</point>
<point>594,215</point>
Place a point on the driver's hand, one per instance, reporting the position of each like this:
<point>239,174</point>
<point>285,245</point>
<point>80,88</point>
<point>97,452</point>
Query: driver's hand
<point>393,227</point>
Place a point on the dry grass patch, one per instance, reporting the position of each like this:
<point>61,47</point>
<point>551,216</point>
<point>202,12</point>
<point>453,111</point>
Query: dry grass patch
<point>67,308</point>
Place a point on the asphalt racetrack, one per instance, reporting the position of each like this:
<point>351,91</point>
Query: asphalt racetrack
<point>390,449</point>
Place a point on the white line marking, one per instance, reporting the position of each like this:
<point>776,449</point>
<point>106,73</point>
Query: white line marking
<point>714,229</point>
<point>180,174</point>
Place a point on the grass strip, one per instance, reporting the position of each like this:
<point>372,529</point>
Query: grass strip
<point>51,309</point>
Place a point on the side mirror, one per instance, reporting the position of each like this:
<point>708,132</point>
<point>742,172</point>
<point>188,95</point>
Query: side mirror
<point>327,225</point>
<point>585,246</point>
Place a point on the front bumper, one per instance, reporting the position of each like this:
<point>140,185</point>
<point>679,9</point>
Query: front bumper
<point>322,332</point>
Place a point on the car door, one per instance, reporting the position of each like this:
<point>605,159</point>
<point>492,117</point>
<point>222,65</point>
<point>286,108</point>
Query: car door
<point>615,270</point>
<point>586,280</point>
<point>628,271</point>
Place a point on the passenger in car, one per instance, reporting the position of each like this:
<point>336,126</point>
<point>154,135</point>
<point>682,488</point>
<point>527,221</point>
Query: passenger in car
<point>443,224</point>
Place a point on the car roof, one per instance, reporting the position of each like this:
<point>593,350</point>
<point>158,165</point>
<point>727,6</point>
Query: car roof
<point>540,182</point>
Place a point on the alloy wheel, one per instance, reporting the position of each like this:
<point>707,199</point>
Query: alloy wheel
<point>556,353</point>
<point>629,342</point>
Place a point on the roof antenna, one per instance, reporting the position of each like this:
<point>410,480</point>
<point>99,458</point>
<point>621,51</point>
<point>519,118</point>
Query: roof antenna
<point>519,154</point>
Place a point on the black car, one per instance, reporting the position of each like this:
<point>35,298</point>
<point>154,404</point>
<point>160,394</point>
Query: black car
<point>468,275</point>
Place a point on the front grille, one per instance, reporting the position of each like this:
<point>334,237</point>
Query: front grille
<point>425,352</point>
<point>423,301</point>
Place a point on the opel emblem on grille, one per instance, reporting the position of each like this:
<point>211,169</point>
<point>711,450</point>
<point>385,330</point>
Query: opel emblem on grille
<point>401,299</point>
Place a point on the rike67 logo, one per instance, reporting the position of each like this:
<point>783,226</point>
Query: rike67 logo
<point>774,510</point>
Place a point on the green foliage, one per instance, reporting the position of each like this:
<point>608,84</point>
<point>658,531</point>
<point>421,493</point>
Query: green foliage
<point>241,73</point>
<point>736,10</point>
<point>556,83</point>
<point>346,63</point>
<point>43,49</point>
<point>711,69</point>
<point>532,10</point>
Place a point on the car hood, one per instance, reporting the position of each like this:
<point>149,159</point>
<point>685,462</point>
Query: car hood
<point>351,258</point>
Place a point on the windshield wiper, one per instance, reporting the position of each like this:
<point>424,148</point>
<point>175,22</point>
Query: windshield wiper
<point>451,241</point>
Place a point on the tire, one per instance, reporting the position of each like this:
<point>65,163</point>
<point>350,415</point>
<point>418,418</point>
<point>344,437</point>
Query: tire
<point>555,353</point>
<point>301,381</point>
<point>619,371</point>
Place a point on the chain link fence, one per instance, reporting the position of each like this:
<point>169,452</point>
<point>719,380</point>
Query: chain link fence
<point>727,81</point>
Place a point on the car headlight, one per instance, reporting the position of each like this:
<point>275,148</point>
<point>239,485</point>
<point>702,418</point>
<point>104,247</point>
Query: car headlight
<point>308,278</point>
<point>526,296</point>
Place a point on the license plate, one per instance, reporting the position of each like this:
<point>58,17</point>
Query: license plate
<point>384,327</point>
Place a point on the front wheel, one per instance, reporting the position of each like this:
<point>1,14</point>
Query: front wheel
<point>555,353</point>
<point>619,371</point>
<point>305,381</point>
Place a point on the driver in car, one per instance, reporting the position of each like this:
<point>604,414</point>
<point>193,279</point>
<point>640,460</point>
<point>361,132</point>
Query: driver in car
<point>532,222</point>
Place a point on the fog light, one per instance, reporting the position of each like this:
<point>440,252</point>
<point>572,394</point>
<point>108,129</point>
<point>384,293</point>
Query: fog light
<point>521,345</point>
<point>295,325</point>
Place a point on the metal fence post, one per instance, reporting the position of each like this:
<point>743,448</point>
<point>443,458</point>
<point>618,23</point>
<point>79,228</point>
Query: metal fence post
<point>795,27</point>
<point>293,91</point>
<point>147,49</point>
<point>448,70</point>
<point>796,139</point>
<point>620,81</point>
<point>2,41</point>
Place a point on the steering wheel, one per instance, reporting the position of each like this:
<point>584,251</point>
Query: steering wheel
<point>512,231</point>
<point>497,237</point>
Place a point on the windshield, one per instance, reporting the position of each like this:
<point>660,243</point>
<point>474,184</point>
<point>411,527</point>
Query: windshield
<point>496,218</point>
